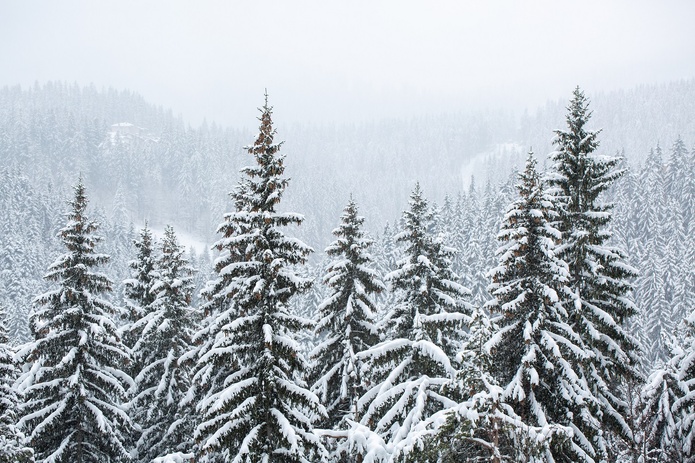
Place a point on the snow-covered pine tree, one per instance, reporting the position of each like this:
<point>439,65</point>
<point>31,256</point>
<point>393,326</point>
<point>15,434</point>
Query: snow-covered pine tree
<point>255,406</point>
<point>535,350</point>
<point>138,291</point>
<point>386,253</point>
<point>347,317</point>
<point>684,407</point>
<point>660,441</point>
<point>423,333</point>
<point>481,426</point>
<point>473,428</point>
<point>13,448</point>
<point>467,237</point>
<point>165,335</point>
<point>678,170</point>
<point>73,384</point>
<point>432,304</point>
<point>676,266</point>
<point>650,241</point>
<point>599,277</point>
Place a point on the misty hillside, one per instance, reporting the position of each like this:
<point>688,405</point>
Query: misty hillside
<point>168,172</point>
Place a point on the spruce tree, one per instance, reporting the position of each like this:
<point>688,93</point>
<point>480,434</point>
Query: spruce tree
<point>138,288</point>
<point>423,333</point>
<point>481,426</point>
<point>74,385</point>
<point>347,319</point>
<point>255,406</point>
<point>432,303</point>
<point>13,448</point>
<point>138,291</point>
<point>165,336</point>
<point>684,406</point>
<point>535,350</point>
<point>660,441</point>
<point>475,427</point>
<point>599,277</point>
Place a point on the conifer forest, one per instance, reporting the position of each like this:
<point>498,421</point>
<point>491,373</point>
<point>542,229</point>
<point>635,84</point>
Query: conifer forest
<point>308,231</point>
<point>178,294</point>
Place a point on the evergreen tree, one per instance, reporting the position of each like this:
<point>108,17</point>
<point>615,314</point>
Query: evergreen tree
<point>535,349</point>
<point>481,426</point>
<point>386,254</point>
<point>139,287</point>
<point>73,383</point>
<point>423,333</point>
<point>660,441</point>
<point>678,170</point>
<point>138,290</point>
<point>13,447</point>
<point>347,318</point>
<point>426,283</point>
<point>166,333</point>
<point>599,277</point>
<point>255,406</point>
<point>684,406</point>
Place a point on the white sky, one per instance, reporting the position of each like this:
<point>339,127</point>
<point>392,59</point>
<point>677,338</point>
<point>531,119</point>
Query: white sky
<point>346,60</point>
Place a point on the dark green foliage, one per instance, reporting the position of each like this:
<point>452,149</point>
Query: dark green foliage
<point>684,407</point>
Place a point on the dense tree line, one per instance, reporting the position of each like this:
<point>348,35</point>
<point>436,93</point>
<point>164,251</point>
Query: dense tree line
<point>530,348</point>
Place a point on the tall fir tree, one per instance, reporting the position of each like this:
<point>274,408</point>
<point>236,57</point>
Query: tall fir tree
<point>165,337</point>
<point>138,291</point>
<point>535,349</point>
<point>13,448</point>
<point>255,405</point>
<point>347,320</point>
<point>423,333</point>
<point>74,385</point>
<point>599,277</point>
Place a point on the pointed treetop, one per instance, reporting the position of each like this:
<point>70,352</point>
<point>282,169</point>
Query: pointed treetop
<point>531,160</point>
<point>264,142</point>
<point>578,110</point>
<point>80,199</point>
<point>529,179</point>
<point>418,199</point>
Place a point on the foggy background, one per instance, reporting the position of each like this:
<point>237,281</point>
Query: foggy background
<point>326,62</point>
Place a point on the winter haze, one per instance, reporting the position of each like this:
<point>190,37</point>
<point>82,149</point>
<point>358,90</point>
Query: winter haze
<point>346,61</point>
<point>347,232</point>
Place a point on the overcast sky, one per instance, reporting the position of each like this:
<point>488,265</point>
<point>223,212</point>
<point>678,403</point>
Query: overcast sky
<point>346,60</point>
